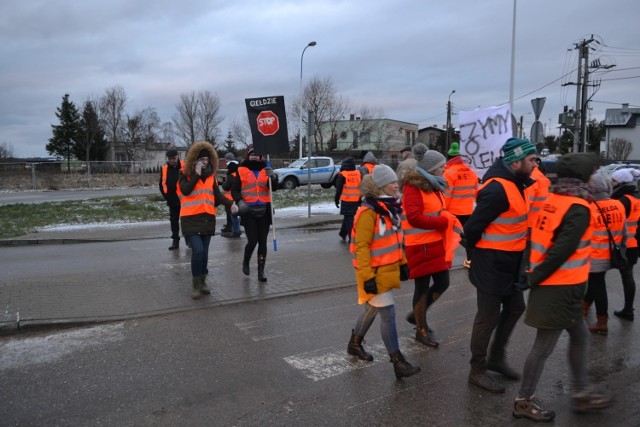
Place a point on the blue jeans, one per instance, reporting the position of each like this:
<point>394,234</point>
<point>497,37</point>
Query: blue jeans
<point>235,224</point>
<point>387,325</point>
<point>199,253</point>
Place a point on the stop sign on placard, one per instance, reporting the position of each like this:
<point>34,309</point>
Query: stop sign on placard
<point>268,123</point>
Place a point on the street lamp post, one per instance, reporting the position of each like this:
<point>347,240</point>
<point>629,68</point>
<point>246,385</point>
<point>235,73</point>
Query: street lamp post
<point>449,121</point>
<point>310,44</point>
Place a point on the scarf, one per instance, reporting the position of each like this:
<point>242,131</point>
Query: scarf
<point>392,209</point>
<point>438,183</point>
<point>572,187</point>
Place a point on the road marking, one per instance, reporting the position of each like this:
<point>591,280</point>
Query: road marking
<point>326,363</point>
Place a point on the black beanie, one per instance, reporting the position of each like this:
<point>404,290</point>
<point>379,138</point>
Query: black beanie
<point>203,153</point>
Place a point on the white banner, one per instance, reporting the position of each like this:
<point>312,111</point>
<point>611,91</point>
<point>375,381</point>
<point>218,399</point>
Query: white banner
<point>483,132</point>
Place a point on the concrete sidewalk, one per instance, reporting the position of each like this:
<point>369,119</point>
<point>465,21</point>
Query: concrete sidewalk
<point>127,272</point>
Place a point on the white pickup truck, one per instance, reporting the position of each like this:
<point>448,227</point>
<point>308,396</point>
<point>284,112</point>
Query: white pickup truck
<point>323,172</point>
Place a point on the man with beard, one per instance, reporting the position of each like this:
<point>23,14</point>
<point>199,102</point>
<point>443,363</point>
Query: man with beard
<point>497,232</point>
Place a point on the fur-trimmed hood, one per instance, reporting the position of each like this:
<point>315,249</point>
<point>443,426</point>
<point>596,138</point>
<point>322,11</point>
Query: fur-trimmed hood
<point>368,188</point>
<point>415,179</point>
<point>192,156</point>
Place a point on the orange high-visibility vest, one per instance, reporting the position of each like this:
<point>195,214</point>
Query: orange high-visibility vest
<point>201,200</point>
<point>254,189</point>
<point>613,212</point>
<point>508,232</point>
<point>165,170</point>
<point>227,193</point>
<point>351,190</point>
<point>537,193</point>
<point>368,166</point>
<point>460,194</point>
<point>386,248</point>
<point>575,269</point>
<point>632,221</point>
<point>432,205</point>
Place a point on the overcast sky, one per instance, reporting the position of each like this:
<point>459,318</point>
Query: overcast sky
<point>403,56</point>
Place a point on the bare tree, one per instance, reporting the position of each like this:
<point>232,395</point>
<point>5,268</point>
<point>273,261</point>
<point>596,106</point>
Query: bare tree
<point>112,106</point>
<point>140,130</point>
<point>197,117</point>
<point>370,128</point>
<point>185,119</point>
<point>326,106</point>
<point>208,116</point>
<point>167,133</point>
<point>241,132</point>
<point>6,151</point>
<point>619,149</point>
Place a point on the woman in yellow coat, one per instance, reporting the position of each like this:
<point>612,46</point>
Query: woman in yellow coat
<point>378,257</point>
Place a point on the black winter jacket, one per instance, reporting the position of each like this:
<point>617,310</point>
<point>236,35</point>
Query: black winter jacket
<point>173,175</point>
<point>493,271</point>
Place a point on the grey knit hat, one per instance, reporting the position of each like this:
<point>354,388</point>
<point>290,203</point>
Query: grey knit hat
<point>369,158</point>
<point>383,175</point>
<point>431,160</point>
<point>418,150</point>
<point>229,156</point>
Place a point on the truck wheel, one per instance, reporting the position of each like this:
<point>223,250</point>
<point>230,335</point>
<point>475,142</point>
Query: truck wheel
<point>289,183</point>
<point>326,185</point>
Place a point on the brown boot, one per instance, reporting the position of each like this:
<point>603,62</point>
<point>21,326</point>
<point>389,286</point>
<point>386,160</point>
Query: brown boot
<point>423,336</point>
<point>585,308</point>
<point>600,327</point>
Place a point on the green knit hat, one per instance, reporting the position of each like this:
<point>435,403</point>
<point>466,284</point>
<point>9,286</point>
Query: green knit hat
<point>517,149</point>
<point>454,150</point>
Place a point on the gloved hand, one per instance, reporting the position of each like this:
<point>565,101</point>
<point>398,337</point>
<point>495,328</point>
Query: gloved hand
<point>338,205</point>
<point>370,286</point>
<point>404,272</point>
<point>268,171</point>
<point>234,208</point>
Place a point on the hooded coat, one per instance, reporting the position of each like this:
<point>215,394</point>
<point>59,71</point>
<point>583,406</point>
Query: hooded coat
<point>426,258</point>
<point>492,271</point>
<point>190,181</point>
<point>560,307</point>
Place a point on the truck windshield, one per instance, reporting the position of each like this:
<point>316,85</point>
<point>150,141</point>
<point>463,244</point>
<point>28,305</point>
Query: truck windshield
<point>298,163</point>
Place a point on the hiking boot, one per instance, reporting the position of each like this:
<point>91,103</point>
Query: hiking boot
<point>532,409</point>
<point>485,381</point>
<point>501,367</point>
<point>624,314</point>
<point>590,399</point>
<point>600,327</point>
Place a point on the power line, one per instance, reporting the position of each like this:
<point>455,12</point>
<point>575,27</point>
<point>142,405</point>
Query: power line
<point>619,78</point>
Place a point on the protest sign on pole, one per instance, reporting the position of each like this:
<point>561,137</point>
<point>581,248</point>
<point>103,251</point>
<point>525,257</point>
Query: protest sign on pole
<point>268,123</point>
<point>483,132</point>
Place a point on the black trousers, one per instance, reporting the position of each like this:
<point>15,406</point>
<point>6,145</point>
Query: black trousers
<point>495,312</point>
<point>174,218</point>
<point>257,231</point>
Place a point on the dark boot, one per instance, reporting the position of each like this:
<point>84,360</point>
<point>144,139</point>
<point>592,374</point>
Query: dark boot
<point>625,313</point>
<point>500,366</point>
<point>203,285</point>
<point>175,244</point>
<point>245,263</point>
<point>262,259</point>
<point>482,379</point>
<point>401,367</point>
<point>423,336</point>
<point>355,348</point>
<point>600,327</point>
<point>196,284</point>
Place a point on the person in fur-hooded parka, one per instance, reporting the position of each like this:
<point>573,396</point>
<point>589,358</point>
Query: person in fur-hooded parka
<point>199,195</point>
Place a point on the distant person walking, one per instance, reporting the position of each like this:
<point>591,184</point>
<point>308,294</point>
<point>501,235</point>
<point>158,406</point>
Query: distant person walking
<point>625,190</point>
<point>347,196</point>
<point>408,162</point>
<point>380,264</point>
<point>462,186</point>
<point>496,232</point>
<point>199,195</point>
<point>232,227</point>
<point>169,177</point>
<point>608,217</point>
<point>560,262</point>
<point>369,162</point>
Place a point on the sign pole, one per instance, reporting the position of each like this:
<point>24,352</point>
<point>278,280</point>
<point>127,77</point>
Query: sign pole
<point>273,220</point>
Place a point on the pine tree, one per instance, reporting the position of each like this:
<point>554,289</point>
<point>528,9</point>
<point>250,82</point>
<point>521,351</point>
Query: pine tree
<point>65,135</point>
<point>91,143</point>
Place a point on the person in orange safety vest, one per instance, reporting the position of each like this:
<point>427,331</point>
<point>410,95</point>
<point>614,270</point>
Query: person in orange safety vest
<point>347,196</point>
<point>169,176</point>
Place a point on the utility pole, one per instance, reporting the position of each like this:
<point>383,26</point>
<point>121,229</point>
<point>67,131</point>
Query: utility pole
<point>448,143</point>
<point>579,143</point>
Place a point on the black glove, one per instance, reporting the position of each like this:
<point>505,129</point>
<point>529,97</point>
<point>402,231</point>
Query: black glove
<point>404,272</point>
<point>370,286</point>
<point>338,205</point>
